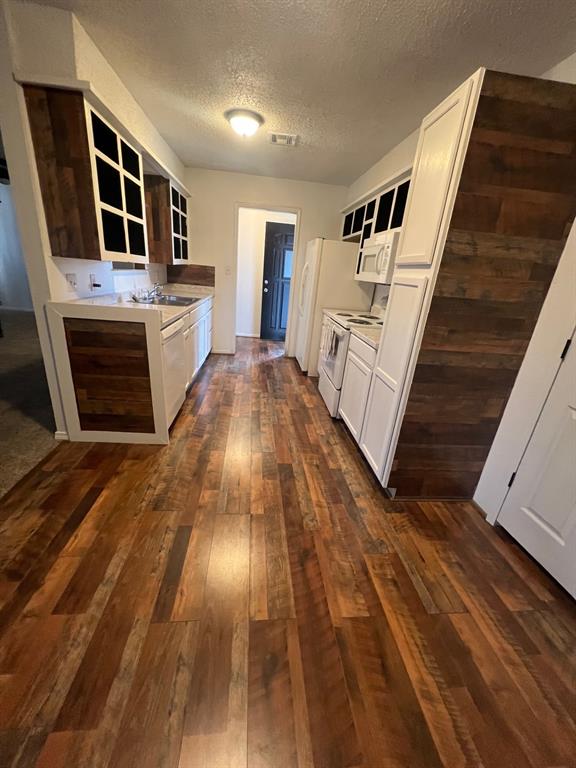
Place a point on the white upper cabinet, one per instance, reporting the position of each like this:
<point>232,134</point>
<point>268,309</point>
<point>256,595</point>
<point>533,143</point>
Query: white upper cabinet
<point>436,154</point>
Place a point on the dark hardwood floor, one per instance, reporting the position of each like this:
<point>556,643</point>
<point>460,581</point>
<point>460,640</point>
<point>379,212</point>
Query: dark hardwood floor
<point>247,598</point>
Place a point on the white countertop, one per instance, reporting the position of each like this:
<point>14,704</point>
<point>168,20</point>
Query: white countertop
<point>371,335</point>
<point>168,314</point>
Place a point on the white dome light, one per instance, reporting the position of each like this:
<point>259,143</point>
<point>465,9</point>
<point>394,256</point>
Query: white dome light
<point>244,121</point>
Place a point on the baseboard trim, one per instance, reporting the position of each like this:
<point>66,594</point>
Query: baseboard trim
<point>60,434</point>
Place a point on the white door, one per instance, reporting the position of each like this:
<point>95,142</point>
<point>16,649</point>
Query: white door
<point>540,508</point>
<point>438,144</point>
<point>305,302</point>
<point>355,387</point>
<point>386,388</point>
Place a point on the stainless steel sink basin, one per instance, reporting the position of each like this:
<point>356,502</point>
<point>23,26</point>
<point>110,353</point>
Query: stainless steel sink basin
<point>174,301</point>
<point>167,300</point>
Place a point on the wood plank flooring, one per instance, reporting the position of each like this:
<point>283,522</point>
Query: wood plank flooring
<point>247,598</point>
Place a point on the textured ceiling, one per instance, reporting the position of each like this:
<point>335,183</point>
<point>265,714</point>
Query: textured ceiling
<point>351,77</point>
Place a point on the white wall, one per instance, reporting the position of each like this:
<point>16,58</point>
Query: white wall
<point>399,158</point>
<point>14,290</point>
<point>565,70</point>
<point>251,242</point>
<point>215,198</point>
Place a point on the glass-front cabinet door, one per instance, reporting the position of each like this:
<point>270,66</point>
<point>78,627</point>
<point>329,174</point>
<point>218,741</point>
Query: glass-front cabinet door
<point>179,226</point>
<point>118,192</point>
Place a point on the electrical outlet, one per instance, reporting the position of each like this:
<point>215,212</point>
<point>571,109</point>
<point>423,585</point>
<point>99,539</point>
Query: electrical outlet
<point>93,283</point>
<point>71,280</point>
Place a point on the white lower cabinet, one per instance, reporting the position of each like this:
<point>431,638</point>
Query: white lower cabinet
<point>354,394</point>
<point>377,424</point>
<point>198,344</point>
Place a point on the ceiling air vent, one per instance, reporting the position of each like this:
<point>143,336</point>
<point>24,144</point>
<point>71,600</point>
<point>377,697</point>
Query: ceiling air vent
<point>283,139</point>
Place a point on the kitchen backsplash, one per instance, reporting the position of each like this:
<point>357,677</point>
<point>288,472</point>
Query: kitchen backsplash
<point>192,274</point>
<point>380,299</point>
<point>141,278</point>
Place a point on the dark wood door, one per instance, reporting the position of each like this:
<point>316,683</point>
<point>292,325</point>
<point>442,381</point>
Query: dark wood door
<point>278,256</point>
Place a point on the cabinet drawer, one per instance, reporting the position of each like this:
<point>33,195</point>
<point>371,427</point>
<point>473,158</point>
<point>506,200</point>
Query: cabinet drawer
<point>364,351</point>
<point>199,312</point>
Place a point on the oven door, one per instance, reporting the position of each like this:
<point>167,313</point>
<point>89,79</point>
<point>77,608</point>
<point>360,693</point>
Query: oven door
<point>333,351</point>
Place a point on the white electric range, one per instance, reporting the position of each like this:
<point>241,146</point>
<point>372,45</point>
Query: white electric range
<point>334,341</point>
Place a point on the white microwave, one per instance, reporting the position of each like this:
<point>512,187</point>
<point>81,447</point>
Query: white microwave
<point>377,257</point>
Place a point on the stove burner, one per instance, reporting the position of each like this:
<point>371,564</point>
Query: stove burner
<point>370,317</point>
<point>379,322</point>
<point>360,322</point>
<point>343,314</point>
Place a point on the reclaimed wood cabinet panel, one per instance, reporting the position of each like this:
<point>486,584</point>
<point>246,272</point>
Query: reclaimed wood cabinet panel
<point>192,274</point>
<point>158,218</point>
<point>111,375</point>
<point>515,204</point>
<point>59,135</point>
<point>90,179</point>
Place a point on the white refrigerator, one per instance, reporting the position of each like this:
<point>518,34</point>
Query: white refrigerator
<point>326,280</point>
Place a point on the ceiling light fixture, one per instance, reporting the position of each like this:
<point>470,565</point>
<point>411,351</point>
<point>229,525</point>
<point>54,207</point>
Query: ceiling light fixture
<point>244,121</point>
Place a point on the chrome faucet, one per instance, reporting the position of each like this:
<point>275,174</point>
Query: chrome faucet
<point>156,290</point>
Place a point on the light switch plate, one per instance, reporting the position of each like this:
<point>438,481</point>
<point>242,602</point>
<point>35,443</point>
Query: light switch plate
<point>71,280</point>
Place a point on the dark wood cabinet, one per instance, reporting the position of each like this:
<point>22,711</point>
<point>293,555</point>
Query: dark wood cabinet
<point>158,218</point>
<point>59,134</point>
<point>90,177</point>
<point>167,221</point>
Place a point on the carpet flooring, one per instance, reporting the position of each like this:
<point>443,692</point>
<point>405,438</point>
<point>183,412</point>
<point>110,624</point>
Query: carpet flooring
<point>26,420</point>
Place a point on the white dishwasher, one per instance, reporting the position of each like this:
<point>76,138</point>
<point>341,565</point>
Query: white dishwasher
<point>174,364</point>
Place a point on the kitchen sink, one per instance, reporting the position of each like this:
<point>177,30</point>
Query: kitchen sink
<point>174,301</point>
<point>168,300</point>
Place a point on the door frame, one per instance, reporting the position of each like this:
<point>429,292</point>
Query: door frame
<point>290,342</point>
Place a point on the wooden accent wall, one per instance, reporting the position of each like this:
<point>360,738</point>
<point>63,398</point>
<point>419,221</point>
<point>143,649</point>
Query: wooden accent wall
<point>111,376</point>
<point>58,125</point>
<point>516,201</point>
<point>158,218</point>
<point>192,274</point>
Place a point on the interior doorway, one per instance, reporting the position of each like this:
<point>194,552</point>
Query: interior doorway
<point>264,270</point>
<point>26,417</point>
